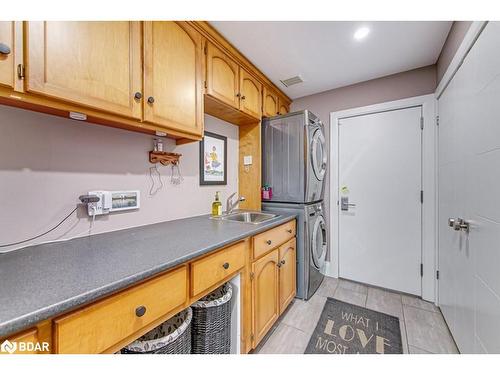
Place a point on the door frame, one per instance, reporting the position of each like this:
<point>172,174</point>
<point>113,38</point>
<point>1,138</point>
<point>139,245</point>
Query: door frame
<point>429,181</point>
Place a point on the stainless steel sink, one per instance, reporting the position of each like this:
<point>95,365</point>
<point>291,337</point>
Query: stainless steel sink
<point>251,217</point>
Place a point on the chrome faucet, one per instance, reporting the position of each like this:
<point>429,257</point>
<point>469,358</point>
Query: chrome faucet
<point>230,205</point>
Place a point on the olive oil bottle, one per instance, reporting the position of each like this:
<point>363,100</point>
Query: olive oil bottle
<point>216,206</point>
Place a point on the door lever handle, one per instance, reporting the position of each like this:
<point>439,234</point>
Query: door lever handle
<point>461,224</point>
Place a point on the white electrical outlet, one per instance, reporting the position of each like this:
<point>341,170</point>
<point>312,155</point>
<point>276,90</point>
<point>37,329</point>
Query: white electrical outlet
<point>247,160</point>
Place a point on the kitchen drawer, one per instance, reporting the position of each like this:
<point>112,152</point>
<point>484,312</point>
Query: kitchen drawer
<point>214,268</point>
<point>24,343</point>
<point>103,324</point>
<point>266,241</point>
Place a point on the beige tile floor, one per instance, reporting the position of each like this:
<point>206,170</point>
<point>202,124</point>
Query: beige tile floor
<point>423,328</point>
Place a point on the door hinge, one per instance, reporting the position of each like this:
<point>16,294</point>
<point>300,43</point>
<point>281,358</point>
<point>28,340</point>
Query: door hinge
<point>437,120</point>
<point>21,71</point>
<point>252,337</point>
<point>421,196</point>
<point>252,275</point>
<point>206,84</point>
<point>437,274</point>
<point>422,123</point>
<point>421,270</point>
<point>205,50</point>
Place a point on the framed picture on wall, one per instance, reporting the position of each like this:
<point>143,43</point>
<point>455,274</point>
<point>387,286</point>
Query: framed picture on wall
<point>213,159</point>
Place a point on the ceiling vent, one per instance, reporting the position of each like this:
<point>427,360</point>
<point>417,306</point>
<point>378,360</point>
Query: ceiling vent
<point>292,81</point>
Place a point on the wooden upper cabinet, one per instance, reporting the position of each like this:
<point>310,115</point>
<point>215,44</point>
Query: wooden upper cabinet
<point>251,94</point>
<point>222,76</point>
<point>173,76</point>
<point>7,69</point>
<point>287,271</point>
<point>95,64</point>
<point>270,103</point>
<point>283,106</point>
<point>265,294</point>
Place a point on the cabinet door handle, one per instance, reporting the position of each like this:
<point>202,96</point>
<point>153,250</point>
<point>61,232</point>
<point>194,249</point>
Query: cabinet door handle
<point>225,265</point>
<point>283,262</point>
<point>269,242</point>
<point>151,100</point>
<point>138,95</point>
<point>278,265</point>
<point>289,230</point>
<point>243,97</point>
<point>140,311</point>
<point>4,49</point>
<point>238,95</point>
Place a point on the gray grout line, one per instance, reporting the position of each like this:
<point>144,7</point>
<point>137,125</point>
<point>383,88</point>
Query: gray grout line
<point>298,329</point>
<point>406,329</point>
<point>418,347</point>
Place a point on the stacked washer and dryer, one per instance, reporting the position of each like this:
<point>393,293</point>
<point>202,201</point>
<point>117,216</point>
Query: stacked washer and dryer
<point>294,166</point>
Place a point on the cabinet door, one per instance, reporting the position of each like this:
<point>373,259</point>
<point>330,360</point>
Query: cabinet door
<point>283,106</point>
<point>222,76</point>
<point>287,272</point>
<point>270,104</point>
<point>251,94</point>
<point>265,309</point>
<point>95,64</point>
<point>173,89</point>
<point>7,69</point>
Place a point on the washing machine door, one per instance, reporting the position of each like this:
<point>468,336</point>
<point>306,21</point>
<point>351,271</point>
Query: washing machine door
<point>318,154</point>
<point>319,242</point>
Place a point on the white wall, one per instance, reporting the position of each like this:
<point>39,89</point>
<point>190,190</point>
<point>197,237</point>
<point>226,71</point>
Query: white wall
<point>46,162</point>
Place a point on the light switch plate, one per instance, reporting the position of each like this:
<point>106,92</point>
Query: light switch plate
<point>247,160</point>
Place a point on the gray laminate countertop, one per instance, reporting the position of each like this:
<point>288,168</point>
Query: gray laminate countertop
<point>43,281</point>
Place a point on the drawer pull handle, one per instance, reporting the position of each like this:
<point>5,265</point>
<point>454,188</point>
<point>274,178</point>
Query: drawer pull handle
<point>269,242</point>
<point>138,95</point>
<point>140,311</point>
<point>283,261</point>
<point>151,100</point>
<point>225,265</point>
<point>289,230</point>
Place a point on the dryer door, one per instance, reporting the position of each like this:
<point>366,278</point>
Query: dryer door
<point>318,154</point>
<point>318,242</point>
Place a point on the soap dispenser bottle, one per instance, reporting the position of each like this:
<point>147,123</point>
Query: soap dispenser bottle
<point>216,205</point>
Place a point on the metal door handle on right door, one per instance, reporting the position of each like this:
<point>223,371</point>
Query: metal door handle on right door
<point>344,204</point>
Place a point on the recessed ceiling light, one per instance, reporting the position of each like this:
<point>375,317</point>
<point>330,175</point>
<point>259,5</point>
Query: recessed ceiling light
<point>361,33</point>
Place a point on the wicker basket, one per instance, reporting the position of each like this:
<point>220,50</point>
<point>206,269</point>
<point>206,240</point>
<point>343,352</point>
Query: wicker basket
<point>211,327</point>
<point>171,337</point>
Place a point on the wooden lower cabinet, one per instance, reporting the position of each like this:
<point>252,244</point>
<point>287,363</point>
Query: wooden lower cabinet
<point>107,325</point>
<point>273,286</point>
<point>23,343</point>
<point>287,274</point>
<point>265,294</point>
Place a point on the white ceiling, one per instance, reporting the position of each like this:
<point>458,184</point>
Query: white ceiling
<point>325,53</point>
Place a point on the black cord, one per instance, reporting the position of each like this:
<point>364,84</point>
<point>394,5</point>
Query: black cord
<point>44,233</point>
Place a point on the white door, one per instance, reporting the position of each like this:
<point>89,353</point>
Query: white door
<point>469,185</point>
<point>380,173</point>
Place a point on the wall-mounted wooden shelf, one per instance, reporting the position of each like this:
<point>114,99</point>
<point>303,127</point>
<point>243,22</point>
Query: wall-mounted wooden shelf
<point>164,158</point>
